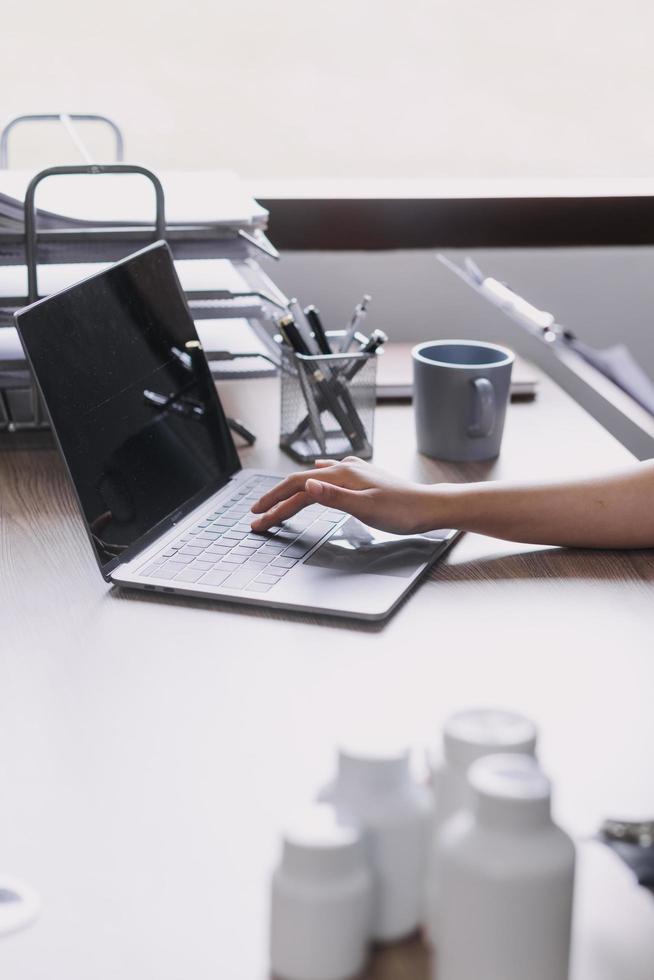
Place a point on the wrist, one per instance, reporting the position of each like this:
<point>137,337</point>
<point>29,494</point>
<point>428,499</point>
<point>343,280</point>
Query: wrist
<point>440,506</point>
<point>449,505</point>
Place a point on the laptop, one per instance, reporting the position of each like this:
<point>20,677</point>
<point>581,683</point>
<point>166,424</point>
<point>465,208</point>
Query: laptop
<point>157,476</point>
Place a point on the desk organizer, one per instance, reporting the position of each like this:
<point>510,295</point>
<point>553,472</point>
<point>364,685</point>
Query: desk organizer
<point>327,405</point>
<point>62,241</point>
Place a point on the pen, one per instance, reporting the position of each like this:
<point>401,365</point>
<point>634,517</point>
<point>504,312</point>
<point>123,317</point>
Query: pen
<point>295,342</point>
<point>376,340</point>
<point>303,327</point>
<point>291,334</point>
<point>313,316</point>
<point>346,418</point>
<point>358,316</point>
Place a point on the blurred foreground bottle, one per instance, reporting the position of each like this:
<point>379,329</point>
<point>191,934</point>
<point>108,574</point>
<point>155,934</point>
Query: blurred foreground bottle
<point>467,736</point>
<point>504,901</point>
<point>375,791</point>
<point>320,901</point>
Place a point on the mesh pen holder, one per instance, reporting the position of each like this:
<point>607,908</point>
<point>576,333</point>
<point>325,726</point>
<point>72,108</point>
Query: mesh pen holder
<point>327,405</point>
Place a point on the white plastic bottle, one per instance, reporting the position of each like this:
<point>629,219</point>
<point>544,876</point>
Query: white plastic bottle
<point>321,900</point>
<point>467,736</point>
<point>375,791</point>
<point>507,875</point>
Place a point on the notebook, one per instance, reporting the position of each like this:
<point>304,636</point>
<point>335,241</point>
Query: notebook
<point>395,375</point>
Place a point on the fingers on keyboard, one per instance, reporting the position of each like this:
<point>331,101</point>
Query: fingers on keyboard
<point>222,549</point>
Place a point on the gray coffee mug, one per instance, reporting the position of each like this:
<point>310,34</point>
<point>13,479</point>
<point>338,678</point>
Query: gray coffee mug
<point>460,393</point>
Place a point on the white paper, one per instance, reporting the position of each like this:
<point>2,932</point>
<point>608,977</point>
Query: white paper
<point>204,197</point>
<point>195,275</point>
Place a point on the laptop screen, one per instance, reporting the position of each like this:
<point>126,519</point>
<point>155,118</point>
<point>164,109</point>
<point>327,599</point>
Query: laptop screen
<point>131,399</point>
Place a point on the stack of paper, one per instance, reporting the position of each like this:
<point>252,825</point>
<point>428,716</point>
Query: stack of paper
<point>209,199</point>
<point>196,276</point>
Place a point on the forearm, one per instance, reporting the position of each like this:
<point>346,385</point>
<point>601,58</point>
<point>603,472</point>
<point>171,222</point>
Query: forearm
<point>612,511</point>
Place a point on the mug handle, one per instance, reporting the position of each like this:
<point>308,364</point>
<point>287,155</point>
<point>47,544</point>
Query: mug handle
<point>484,409</point>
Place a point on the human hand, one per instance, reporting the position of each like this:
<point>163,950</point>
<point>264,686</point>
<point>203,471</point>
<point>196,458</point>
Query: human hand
<point>374,496</point>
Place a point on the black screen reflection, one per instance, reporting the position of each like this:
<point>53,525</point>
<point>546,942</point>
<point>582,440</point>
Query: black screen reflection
<point>130,396</point>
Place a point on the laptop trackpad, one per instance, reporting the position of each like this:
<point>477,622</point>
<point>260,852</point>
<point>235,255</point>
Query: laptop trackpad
<point>355,547</point>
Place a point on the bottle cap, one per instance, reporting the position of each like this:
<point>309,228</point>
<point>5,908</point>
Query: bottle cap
<point>469,735</point>
<point>373,767</point>
<point>315,845</point>
<point>510,790</point>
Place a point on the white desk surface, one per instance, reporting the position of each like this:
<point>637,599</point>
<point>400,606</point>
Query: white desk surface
<point>150,748</point>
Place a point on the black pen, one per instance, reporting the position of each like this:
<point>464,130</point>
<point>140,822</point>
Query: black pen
<point>295,342</point>
<point>347,419</point>
<point>291,334</point>
<point>313,316</point>
<point>376,340</point>
<point>303,327</point>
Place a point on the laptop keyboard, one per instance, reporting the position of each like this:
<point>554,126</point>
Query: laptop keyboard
<point>222,549</point>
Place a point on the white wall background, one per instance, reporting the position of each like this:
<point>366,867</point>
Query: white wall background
<point>345,87</point>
